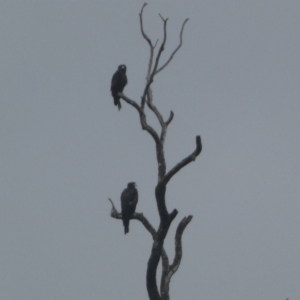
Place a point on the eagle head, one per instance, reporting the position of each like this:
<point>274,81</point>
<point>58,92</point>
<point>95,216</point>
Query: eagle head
<point>131,185</point>
<point>122,68</point>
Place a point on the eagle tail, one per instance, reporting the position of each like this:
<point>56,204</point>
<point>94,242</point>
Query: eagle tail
<point>117,102</point>
<point>126,225</point>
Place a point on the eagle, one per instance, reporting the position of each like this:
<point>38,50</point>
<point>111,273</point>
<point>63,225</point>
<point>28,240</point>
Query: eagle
<point>118,82</point>
<point>129,199</point>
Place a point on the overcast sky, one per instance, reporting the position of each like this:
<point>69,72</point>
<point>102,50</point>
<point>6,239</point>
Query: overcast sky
<point>65,148</point>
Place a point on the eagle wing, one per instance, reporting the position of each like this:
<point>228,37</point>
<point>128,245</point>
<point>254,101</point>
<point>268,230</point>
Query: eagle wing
<point>129,199</point>
<point>118,82</point>
<point>133,198</point>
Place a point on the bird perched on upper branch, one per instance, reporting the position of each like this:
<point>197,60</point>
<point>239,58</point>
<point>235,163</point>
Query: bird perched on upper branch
<point>118,82</point>
<point>129,199</point>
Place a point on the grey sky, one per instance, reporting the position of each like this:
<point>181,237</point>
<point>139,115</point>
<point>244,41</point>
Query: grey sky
<point>65,148</point>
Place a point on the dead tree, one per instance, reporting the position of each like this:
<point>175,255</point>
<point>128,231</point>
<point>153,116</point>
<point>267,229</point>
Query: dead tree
<point>158,252</point>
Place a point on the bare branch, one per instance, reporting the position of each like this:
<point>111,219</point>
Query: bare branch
<point>150,62</point>
<point>165,270</point>
<point>170,118</point>
<point>165,127</point>
<point>163,134</point>
<point>165,283</point>
<point>159,146</point>
<point>149,100</point>
<point>143,118</point>
<point>178,244</point>
<point>174,52</point>
<point>161,49</point>
<point>113,211</point>
<point>165,32</point>
<point>184,162</point>
<point>153,72</point>
<point>145,36</point>
<point>154,109</point>
<point>131,102</point>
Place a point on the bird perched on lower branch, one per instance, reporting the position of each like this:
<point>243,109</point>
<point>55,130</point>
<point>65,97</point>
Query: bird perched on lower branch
<point>129,200</point>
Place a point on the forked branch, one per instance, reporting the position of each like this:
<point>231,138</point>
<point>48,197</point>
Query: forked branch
<point>143,119</point>
<point>140,217</point>
<point>184,162</point>
<point>161,49</point>
<point>178,244</point>
<point>174,52</point>
<point>155,70</point>
<point>167,270</point>
<point>171,270</point>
